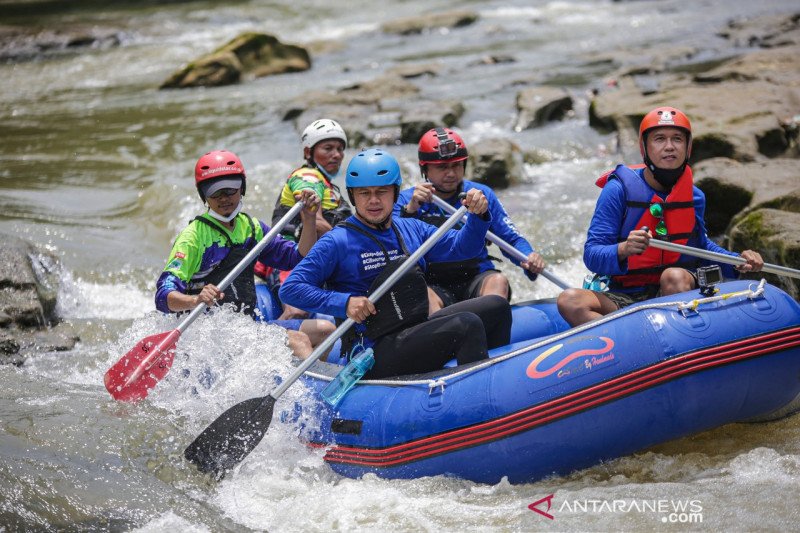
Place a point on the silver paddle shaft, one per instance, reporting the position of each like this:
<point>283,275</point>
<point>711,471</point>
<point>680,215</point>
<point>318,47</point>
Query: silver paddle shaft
<point>721,258</point>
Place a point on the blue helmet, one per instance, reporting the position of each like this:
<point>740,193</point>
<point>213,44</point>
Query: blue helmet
<point>373,167</point>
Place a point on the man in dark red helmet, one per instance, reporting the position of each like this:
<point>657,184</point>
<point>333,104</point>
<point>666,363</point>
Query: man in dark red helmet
<point>657,199</point>
<point>214,243</point>
<point>442,161</point>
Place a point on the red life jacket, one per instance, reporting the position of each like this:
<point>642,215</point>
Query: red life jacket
<point>679,218</point>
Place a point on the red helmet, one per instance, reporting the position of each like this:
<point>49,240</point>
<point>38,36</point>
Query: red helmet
<point>215,165</point>
<point>663,117</point>
<point>441,145</point>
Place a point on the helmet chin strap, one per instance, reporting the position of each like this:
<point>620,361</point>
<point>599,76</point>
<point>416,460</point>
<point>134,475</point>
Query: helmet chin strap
<point>230,217</point>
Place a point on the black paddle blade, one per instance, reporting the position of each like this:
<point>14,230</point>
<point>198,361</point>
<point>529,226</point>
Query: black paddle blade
<point>233,435</point>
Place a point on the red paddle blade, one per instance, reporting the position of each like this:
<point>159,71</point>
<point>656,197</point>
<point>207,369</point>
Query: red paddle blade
<point>139,370</point>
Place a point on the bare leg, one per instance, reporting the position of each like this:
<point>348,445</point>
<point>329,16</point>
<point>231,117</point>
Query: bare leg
<point>317,331</point>
<point>495,284</point>
<point>434,302</point>
<point>674,280</point>
<point>579,306</point>
<point>299,343</point>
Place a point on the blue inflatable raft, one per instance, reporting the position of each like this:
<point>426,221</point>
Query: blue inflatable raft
<point>560,399</point>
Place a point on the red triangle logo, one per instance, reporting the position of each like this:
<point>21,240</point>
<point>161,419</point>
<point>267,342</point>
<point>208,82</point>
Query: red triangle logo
<point>534,507</point>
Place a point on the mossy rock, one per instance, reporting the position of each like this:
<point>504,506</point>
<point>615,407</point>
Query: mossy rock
<point>250,55</point>
<point>773,233</point>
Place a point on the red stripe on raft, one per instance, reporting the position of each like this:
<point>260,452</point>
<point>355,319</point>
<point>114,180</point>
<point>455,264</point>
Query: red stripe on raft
<point>567,405</point>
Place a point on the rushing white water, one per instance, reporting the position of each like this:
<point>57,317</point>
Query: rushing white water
<point>97,167</point>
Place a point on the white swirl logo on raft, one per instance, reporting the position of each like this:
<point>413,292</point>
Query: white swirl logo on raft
<point>592,358</point>
<point>669,511</point>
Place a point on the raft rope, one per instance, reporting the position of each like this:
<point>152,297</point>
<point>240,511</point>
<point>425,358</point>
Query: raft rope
<point>683,307</point>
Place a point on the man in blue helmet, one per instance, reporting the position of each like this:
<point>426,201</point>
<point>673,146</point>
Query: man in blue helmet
<point>352,259</point>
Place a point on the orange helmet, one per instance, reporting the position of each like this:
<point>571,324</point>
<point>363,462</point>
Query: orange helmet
<point>665,117</point>
<point>441,145</point>
<point>213,166</point>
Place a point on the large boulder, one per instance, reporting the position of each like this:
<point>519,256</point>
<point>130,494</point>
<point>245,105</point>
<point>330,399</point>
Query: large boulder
<point>29,281</point>
<point>28,284</point>
<point>774,234</point>
<point>249,55</point>
<point>731,187</point>
<point>495,162</point>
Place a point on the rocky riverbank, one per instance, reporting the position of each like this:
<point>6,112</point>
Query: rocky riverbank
<point>745,114</point>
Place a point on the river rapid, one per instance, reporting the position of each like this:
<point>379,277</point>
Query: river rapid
<point>97,168</point>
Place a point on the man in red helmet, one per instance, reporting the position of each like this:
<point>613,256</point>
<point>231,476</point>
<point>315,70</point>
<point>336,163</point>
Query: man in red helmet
<point>657,199</point>
<point>442,161</point>
<point>214,243</point>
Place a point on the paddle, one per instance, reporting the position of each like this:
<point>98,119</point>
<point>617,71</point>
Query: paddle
<point>139,370</point>
<point>722,258</point>
<point>235,433</point>
<point>503,245</point>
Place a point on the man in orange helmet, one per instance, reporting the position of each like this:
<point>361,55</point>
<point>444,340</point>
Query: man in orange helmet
<point>654,200</point>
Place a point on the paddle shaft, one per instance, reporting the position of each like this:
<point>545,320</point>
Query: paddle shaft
<point>503,245</point>
<point>721,258</point>
<point>249,258</point>
<point>375,296</point>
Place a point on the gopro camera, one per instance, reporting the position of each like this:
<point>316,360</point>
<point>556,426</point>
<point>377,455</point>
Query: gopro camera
<point>707,278</point>
<point>447,146</point>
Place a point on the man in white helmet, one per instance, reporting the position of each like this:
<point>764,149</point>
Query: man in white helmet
<point>324,142</point>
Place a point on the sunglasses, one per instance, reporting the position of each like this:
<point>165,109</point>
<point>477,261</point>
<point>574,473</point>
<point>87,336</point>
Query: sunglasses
<point>658,211</point>
<point>224,192</point>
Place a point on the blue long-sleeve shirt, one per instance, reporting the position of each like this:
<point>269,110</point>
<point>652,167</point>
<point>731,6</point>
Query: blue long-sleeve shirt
<point>501,225</point>
<point>344,263</point>
<point>600,250</point>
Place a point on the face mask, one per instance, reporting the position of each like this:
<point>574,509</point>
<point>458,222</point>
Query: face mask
<point>227,219</point>
<point>329,176</point>
<point>667,178</point>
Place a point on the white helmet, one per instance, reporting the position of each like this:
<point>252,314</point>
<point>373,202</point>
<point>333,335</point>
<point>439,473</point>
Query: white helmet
<point>322,129</point>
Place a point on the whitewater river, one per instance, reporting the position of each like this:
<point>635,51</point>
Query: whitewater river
<point>97,167</point>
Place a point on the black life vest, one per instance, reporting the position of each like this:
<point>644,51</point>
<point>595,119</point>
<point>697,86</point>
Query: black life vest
<point>448,273</point>
<point>402,306</point>
<point>242,291</point>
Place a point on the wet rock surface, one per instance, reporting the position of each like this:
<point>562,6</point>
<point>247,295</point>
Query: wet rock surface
<point>29,280</point>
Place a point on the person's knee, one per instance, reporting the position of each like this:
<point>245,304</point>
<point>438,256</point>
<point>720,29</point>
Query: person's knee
<point>570,300</point>
<point>498,306</point>
<point>674,280</point>
<point>495,284</point>
<point>299,343</point>
<point>317,330</point>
